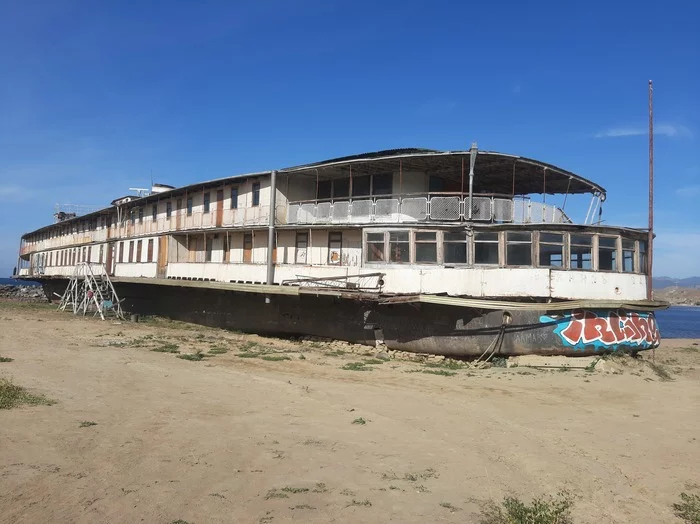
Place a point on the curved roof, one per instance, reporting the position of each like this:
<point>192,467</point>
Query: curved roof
<point>493,172</point>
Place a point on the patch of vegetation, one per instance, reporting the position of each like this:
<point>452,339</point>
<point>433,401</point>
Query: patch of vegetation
<point>275,494</point>
<point>167,348</point>
<point>694,349</point>
<point>6,359</point>
<point>590,368</point>
<point>347,492</point>
<point>336,353</point>
<point>688,509</point>
<point>302,357</point>
<point>553,510</point>
<point>359,421</point>
<point>179,521</point>
<point>422,475</point>
<point>365,503</point>
<point>289,489</point>
<point>87,423</point>
<point>302,506</point>
<point>449,506</point>
<point>356,366</point>
<point>374,361</point>
<point>12,395</point>
<point>446,364</point>
<point>194,357</point>
<point>275,358</point>
<point>442,372</point>
<point>320,488</point>
<point>660,371</point>
<point>499,362</point>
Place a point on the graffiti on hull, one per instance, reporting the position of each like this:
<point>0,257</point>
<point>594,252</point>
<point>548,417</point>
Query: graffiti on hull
<point>605,330</point>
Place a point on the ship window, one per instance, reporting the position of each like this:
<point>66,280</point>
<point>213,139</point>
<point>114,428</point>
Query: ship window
<point>382,184</point>
<point>234,198</point>
<point>256,194</point>
<point>207,202</point>
<point>518,248</point>
<point>168,209</point>
<point>361,186</point>
<point>454,247</point>
<point>341,188</point>
<point>121,252</point>
<point>426,247</point>
<point>627,255</point>
<point>324,189</point>
<point>132,215</point>
<point>140,215</point>
<point>399,247</point>
<point>209,247</point>
<point>607,253</point>
<point>138,250</point>
<point>551,250</point>
<point>149,253</point>
<point>302,246</point>
<point>643,268</point>
<point>131,251</point>
<point>375,247</point>
<point>189,206</point>
<point>580,248</point>
<point>486,248</point>
<point>335,248</point>
<point>154,212</point>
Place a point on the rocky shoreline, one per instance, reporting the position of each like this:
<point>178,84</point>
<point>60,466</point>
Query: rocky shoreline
<point>24,293</point>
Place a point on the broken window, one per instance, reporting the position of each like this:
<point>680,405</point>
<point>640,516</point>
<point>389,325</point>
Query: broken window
<point>149,253</point>
<point>627,255</point>
<point>168,209</point>
<point>643,261</point>
<point>209,247</point>
<point>607,253</point>
<point>580,252</point>
<point>140,215</point>
<point>518,248</point>
<point>454,246</point>
<point>154,212</point>
<point>551,250</point>
<point>335,248</point>
<point>375,247</point>
<point>426,247</point>
<point>486,248</point>
<point>189,206</point>
<point>138,251</point>
<point>399,247</point>
<point>302,245</point>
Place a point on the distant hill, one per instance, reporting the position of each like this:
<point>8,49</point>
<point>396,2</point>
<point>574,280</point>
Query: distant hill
<point>664,282</point>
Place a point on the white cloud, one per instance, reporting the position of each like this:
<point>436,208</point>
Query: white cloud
<point>676,254</point>
<point>688,191</point>
<point>668,130</point>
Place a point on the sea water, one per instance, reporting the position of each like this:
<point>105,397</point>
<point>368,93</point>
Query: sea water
<point>679,322</point>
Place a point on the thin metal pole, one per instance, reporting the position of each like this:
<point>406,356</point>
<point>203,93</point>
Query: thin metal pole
<point>400,176</point>
<point>650,240</point>
<point>462,189</point>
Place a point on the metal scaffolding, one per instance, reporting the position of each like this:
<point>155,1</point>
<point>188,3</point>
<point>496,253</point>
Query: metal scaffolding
<point>91,290</point>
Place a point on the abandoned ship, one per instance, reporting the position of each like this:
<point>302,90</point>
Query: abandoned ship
<point>443,252</point>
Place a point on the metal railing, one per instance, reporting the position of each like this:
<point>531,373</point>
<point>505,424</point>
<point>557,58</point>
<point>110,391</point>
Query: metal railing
<point>424,208</point>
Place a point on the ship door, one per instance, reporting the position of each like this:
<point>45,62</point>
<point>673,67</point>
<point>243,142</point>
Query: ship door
<point>109,266</point>
<point>219,207</point>
<point>247,248</point>
<point>162,255</point>
<point>178,212</point>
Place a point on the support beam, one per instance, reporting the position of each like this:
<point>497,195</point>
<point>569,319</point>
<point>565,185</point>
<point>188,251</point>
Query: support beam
<point>271,229</point>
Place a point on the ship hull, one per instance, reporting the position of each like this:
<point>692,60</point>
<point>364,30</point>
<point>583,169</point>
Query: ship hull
<point>415,327</point>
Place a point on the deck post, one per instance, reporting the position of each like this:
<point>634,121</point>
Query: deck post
<point>271,229</point>
<point>472,161</point>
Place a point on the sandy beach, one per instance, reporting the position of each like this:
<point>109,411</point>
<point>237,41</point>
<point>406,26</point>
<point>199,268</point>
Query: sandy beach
<point>264,430</point>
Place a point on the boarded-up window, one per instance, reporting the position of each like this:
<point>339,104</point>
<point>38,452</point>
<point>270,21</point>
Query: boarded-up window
<point>138,251</point>
<point>227,252</point>
<point>102,252</point>
<point>140,215</point>
<point>121,252</point>
<point>149,253</point>
<point>154,212</point>
<point>302,245</point>
<point>168,209</point>
<point>131,251</point>
<point>89,254</point>
<point>248,247</point>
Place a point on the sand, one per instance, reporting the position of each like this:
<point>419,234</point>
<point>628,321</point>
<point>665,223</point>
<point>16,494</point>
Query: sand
<point>232,439</point>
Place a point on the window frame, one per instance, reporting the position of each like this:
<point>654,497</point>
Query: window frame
<point>255,194</point>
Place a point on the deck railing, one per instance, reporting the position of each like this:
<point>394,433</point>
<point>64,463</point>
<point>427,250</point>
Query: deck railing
<point>424,208</point>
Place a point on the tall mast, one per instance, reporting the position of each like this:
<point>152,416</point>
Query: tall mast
<point>650,240</point>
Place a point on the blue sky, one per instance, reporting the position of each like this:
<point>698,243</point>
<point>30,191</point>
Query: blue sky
<point>96,96</point>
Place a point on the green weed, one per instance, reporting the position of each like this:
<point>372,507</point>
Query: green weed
<point>356,366</point>
<point>6,359</point>
<point>359,421</point>
<point>688,509</point>
<point>12,395</point>
<point>553,510</point>
<point>195,357</point>
<point>167,348</point>
<point>87,424</point>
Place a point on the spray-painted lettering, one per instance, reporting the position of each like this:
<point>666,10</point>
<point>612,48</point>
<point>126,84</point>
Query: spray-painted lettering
<point>606,330</point>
